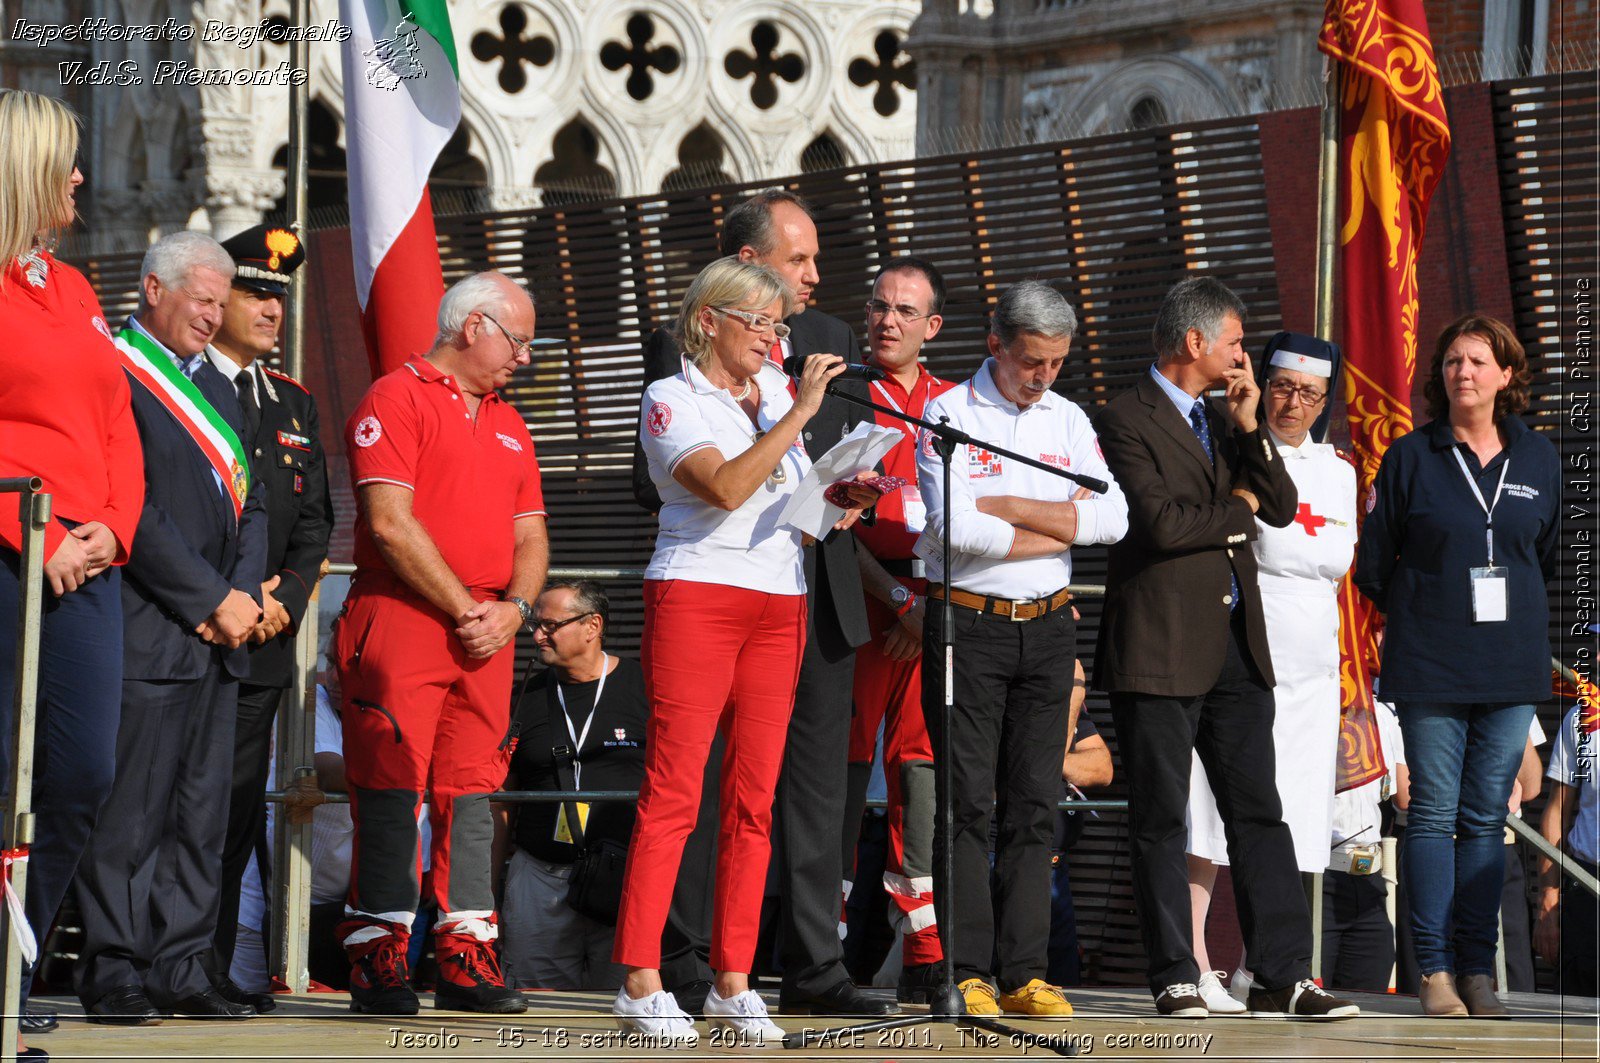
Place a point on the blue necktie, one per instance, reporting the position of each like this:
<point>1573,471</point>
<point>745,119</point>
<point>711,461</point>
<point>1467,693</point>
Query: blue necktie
<point>1197,421</point>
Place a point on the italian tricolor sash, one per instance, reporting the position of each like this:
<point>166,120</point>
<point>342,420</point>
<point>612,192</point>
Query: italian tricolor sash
<point>155,369</point>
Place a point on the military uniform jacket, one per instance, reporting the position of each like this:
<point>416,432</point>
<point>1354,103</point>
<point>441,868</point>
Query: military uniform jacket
<point>286,457</point>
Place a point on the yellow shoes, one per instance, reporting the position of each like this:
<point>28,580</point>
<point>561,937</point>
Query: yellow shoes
<point>1038,997</point>
<point>979,996</point>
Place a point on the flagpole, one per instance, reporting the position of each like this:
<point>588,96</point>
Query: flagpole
<point>1327,200</point>
<point>291,872</point>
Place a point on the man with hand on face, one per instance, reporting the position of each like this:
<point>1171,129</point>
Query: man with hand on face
<point>149,883</point>
<point>902,315</point>
<point>1010,529</point>
<point>450,550</point>
<point>282,437</point>
<point>1184,654</point>
<point>775,228</point>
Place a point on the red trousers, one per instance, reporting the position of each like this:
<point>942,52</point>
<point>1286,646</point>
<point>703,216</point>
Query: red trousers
<point>421,719</point>
<point>890,692</point>
<point>711,654</point>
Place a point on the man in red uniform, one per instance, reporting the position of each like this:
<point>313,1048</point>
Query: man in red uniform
<point>902,315</point>
<point>450,547</point>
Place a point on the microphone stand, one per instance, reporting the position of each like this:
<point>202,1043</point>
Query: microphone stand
<point>947,1006</point>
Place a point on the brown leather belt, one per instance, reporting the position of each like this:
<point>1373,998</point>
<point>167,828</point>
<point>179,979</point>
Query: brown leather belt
<point>1024,610</point>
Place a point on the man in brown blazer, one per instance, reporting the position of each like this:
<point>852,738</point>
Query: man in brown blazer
<point>1183,650</point>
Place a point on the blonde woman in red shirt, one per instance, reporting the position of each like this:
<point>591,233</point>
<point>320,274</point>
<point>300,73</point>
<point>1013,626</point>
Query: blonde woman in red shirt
<point>64,417</point>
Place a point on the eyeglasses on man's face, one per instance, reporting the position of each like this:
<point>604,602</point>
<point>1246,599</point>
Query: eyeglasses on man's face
<point>1308,394</point>
<point>910,315</point>
<point>519,346</point>
<point>754,321</point>
<point>550,627</point>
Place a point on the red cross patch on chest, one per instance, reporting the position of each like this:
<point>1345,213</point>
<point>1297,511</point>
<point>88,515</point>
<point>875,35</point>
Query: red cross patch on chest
<point>982,462</point>
<point>1309,520</point>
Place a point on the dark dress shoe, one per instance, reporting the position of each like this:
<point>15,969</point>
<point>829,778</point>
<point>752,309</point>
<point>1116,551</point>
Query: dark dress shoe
<point>842,999</point>
<point>233,994</point>
<point>209,1004</point>
<point>126,1005</point>
<point>32,1022</point>
<point>691,997</point>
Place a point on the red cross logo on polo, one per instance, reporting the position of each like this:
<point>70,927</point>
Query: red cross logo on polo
<point>983,462</point>
<point>658,418</point>
<point>927,443</point>
<point>621,733</point>
<point>1309,520</point>
<point>368,431</point>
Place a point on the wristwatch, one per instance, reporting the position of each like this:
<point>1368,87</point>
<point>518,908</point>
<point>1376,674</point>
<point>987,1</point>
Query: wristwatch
<point>523,608</point>
<point>902,599</point>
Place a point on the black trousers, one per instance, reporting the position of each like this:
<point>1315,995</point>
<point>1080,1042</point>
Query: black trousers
<point>808,817</point>
<point>1357,938</point>
<point>1230,727</point>
<point>148,884</point>
<point>1007,736</point>
<point>247,809</point>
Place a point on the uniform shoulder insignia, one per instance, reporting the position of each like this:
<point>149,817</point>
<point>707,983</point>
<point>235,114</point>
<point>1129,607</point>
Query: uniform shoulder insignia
<point>286,378</point>
<point>1346,455</point>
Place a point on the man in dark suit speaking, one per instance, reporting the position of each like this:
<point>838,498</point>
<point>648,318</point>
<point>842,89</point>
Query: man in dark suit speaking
<point>775,228</point>
<point>1183,650</point>
<point>191,595</point>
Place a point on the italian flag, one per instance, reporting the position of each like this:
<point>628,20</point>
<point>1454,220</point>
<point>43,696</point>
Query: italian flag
<point>402,100</point>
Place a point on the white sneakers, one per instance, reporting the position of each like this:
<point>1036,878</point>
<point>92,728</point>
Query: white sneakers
<point>738,1022</point>
<point>658,1018</point>
<point>744,1018</point>
<point>1218,1000</point>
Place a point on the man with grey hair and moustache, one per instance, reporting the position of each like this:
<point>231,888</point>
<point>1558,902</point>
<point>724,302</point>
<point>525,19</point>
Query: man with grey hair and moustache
<point>1184,651</point>
<point>450,549</point>
<point>1011,529</point>
<point>149,885</point>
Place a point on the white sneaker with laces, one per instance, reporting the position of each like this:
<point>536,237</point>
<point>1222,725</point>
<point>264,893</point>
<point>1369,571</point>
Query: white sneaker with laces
<point>744,1017</point>
<point>1240,984</point>
<point>1218,1000</point>
<point>656,1017</point>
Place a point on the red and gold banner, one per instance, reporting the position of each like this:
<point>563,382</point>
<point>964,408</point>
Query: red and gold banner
<point>1571,687</point>
<point>1394,140</point>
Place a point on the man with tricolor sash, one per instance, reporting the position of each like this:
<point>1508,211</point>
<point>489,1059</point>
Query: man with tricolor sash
<point>191,595</point>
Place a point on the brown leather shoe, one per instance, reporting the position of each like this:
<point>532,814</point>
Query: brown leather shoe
<point>1439,997</point>
<point>1477,993</point>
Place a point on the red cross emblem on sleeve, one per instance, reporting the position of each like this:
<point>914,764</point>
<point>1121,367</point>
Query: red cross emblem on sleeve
<point>1309,520</point>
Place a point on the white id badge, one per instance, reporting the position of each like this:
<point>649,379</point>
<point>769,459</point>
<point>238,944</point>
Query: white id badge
<point>1488,595</point>
<point>916,511</point>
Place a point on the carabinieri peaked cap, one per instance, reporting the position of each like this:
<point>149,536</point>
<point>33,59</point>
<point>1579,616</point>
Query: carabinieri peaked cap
<point>264,257</point>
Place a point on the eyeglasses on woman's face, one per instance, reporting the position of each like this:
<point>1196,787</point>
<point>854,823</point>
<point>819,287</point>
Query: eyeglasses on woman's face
<point>754,321</point>
<point>1308,394</point>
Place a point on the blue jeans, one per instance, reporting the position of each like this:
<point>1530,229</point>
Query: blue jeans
<point>1463,760</point>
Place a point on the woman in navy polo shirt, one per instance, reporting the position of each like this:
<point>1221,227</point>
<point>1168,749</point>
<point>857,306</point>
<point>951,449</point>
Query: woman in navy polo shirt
<point>1456,550</point>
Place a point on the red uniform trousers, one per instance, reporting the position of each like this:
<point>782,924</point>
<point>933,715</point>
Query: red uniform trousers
<point>890,691</point>
<point>420,719</point>
<point>710,653</point>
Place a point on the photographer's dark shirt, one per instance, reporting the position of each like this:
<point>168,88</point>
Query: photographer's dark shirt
<point>612,756</point>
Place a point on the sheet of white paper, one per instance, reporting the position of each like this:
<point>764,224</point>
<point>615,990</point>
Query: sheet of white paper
<point>857,452</point>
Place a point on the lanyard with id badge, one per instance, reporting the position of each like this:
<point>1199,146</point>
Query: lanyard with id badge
<point>1490,593</point>
<point>563,832</point>
<point>916,511</point>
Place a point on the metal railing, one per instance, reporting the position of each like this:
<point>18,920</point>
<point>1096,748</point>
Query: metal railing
<point>33,509</point>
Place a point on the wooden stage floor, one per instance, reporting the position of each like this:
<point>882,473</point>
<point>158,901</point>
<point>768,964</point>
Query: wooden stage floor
<point>1110,1024</point>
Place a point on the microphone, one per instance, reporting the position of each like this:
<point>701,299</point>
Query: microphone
<point>795,365</point>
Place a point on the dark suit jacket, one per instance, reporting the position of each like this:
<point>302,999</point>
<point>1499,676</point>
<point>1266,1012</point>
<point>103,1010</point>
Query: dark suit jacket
<point>299,512</point>
<point>189,549</point>
<point>1165,627</point>
<point>839,612</point>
